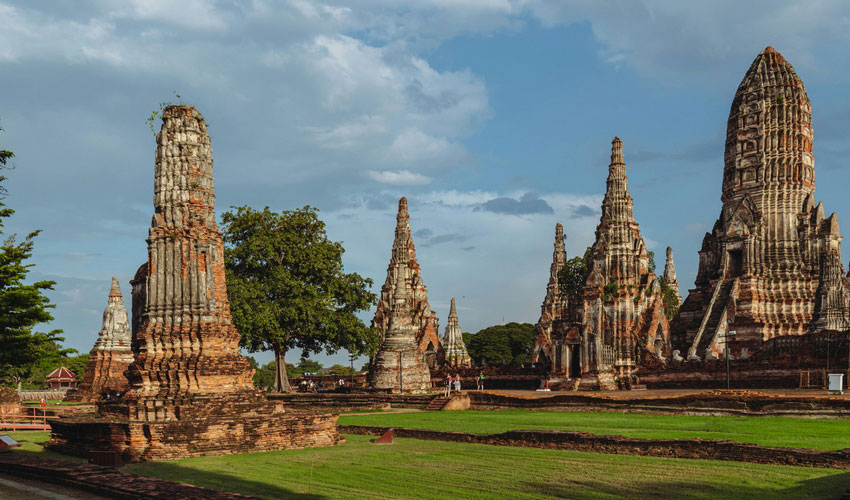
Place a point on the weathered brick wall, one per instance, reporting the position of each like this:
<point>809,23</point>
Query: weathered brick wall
<point>706,449</point>
<point>743,403</point>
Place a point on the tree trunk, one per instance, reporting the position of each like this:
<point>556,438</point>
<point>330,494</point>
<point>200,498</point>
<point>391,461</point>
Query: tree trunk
<point>281,380</point>
<point>20,382</point>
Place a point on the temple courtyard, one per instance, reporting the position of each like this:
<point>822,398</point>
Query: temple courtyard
<point>424,468</point>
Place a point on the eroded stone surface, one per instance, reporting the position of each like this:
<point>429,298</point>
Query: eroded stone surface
<point>623,321</point>
<point>400,364</point>
<point>770,270</point>
<point>424,320</point>
<point>557,335</point>
<point>456,353</point>
<point>111,354</point>
<point>190,390</point>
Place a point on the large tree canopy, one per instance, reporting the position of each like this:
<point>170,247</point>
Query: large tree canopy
<point>288,289</point>
<point>509,344</point>
<point>22,305</point>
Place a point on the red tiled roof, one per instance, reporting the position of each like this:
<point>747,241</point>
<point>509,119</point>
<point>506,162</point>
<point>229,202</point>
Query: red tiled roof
<point>61,374</point>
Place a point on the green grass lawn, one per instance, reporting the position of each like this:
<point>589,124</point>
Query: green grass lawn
<point>417,469</point>
<point>824,434</point>
<point>32,443</point>
<point>440,470</point>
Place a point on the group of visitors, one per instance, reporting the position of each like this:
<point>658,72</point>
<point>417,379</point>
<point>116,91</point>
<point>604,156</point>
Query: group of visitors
<point>452,383</point>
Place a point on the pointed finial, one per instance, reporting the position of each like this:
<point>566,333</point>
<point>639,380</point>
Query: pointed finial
<point>453,309</point>
<point>559,231</point>
<point>402,205</point>
<point>617,152</point>
<point>769,50</point>
<point>116,288</point>
<point>669,253</point>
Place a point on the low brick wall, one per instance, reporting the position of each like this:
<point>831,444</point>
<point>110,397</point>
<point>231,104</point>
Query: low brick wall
<point>339,402</point>
<point>704,449</point>
<point>105,481</point>
<point>740,403</point>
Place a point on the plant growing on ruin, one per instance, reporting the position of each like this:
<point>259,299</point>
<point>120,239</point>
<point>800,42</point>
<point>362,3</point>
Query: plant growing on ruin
<point>288,289</point>
<point>156,113</point>
<point>670,299</point>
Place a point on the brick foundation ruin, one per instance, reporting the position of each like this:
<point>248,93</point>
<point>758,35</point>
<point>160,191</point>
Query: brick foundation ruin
<point>190,390</point>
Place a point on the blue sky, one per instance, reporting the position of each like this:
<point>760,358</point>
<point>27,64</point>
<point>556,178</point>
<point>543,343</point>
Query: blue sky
<point>494,117</point>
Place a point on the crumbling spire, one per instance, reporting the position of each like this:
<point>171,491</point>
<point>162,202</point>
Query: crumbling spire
<point>111,354</point>
<point>456,353</point>
<point>670,273</point>
<point>425,320</point>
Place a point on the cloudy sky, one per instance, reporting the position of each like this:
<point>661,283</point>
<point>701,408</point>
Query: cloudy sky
<point>494,118</point>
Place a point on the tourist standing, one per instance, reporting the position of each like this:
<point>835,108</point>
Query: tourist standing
<point>448,385</point>
<point>457,383</point>
<point>480,381</point>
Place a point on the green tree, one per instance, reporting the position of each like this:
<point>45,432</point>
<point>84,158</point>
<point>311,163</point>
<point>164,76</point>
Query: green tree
<point>308,366</point>
<point>338,369</point>
<point>509,344</point>
<point>671,300</point>
<point>22,306</point>
<point>573,276</point>
<point>264,376</point>
<point>288,289</point>
<point>77,364</point>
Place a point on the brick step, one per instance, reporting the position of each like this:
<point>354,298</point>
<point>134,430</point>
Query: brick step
<point>437,403</point>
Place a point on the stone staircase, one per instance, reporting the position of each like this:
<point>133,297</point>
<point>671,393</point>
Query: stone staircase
<point>713,322</point>
<point>438,403</point>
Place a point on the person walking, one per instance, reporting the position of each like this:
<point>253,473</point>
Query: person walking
<point>448,385</point>
<point>480,381</point>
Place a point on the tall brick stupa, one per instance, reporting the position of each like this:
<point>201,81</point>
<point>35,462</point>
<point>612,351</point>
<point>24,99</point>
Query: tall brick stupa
<point>399,364</point>
<point>424,319</point>
<point>770,269</point>
<point>190,390</point>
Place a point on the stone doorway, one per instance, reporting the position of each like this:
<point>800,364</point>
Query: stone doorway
<point>575,361</point>
<point>431,355</point>
<point>736,263</point>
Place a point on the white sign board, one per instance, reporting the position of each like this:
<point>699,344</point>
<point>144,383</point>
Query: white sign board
<point>836,382</point>
<point>6,441</point>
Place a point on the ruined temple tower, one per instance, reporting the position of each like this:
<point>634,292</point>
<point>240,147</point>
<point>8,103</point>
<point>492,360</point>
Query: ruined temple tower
<point>623,321</point>
<point>400,364</point>
<point>771,266</point>
<point>557,336</point>
<point>190,390</point>
<point>456,353</point>
<point>670,274</point>
<point>424,320</point>
<point>110,356</point>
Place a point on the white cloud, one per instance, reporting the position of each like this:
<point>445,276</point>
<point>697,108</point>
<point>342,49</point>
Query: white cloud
<point>398,178</point>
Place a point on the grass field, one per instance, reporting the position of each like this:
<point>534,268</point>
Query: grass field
<point>437,470</point>
<point>823,434</point>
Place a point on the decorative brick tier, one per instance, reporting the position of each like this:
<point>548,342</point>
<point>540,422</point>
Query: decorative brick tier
<point>705,449</point>
<point>218,435</point>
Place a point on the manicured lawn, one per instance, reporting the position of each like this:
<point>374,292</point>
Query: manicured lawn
<point>32,442</point>
<point>435,470</point>
<point>824,434</point>
<point>440,470</point>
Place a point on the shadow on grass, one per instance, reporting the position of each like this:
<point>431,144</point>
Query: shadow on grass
<point>832,486</point>
<point>217,481</point>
